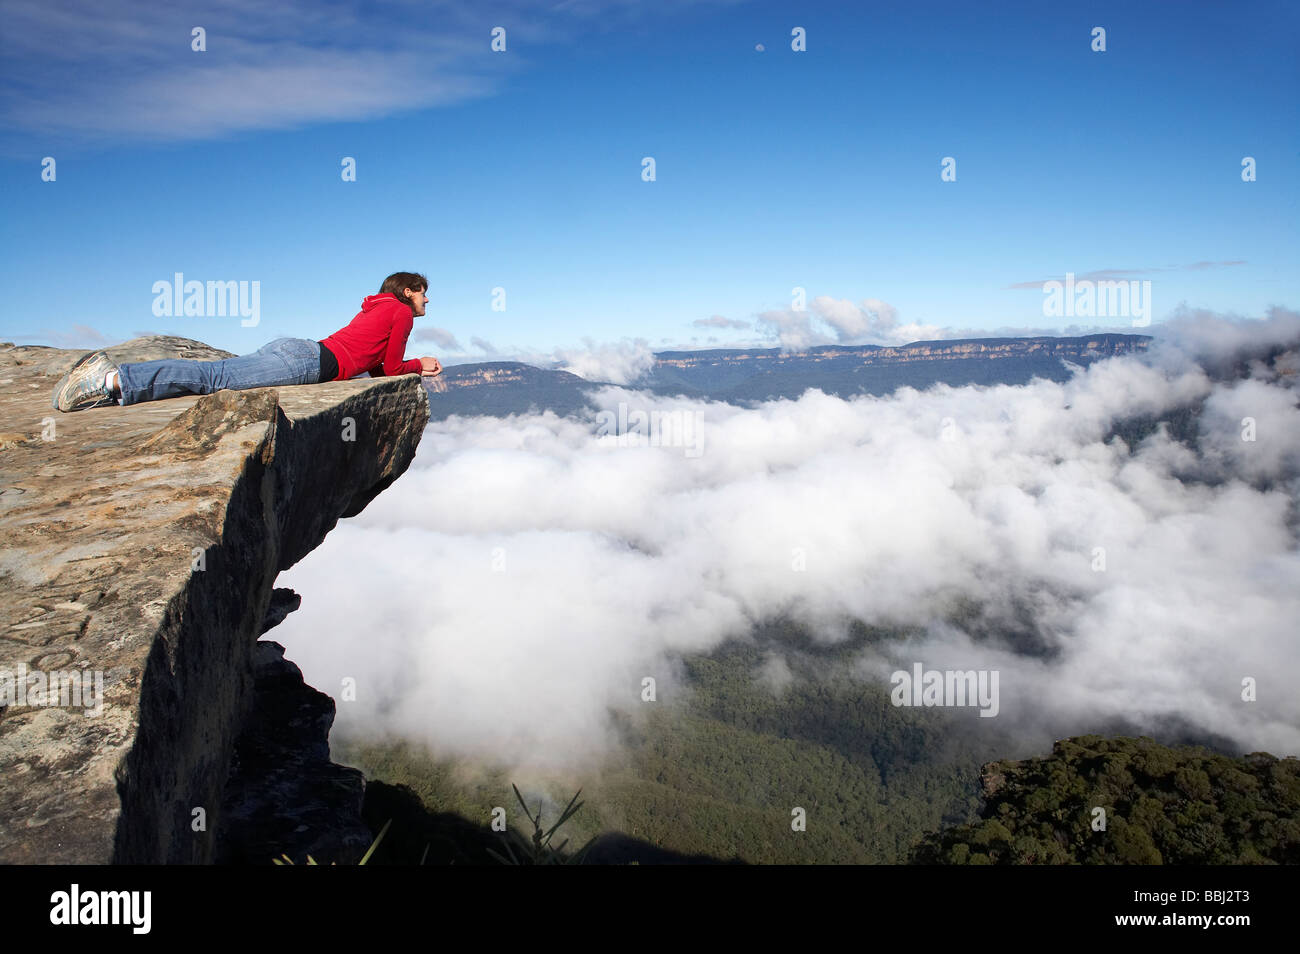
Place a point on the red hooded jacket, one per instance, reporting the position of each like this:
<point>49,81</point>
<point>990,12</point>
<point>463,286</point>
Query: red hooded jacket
<point>375,340</point>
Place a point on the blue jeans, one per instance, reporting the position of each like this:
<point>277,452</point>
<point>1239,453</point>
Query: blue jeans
<point>282,361</point>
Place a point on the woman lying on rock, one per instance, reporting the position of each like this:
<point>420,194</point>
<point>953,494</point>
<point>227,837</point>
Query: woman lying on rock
<point>374,342</point>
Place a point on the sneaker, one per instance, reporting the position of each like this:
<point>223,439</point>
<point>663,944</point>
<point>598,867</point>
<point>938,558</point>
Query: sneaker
<point>83,386</point>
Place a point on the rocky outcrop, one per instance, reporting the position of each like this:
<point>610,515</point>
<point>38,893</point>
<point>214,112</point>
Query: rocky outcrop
<point>283,795</point>
<point>138,551</point>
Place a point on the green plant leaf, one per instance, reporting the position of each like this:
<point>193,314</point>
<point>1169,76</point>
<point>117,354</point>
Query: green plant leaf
<point>371,850</point>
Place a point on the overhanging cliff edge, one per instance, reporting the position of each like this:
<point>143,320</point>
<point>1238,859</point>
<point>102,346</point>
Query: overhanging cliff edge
<point>139,546</point>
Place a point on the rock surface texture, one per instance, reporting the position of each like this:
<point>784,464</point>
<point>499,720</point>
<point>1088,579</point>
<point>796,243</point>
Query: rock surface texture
<point>141,544</point>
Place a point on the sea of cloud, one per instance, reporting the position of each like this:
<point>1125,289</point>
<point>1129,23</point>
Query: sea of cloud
<point>523,578</point>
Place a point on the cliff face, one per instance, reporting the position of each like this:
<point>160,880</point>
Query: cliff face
<point>480,375</point>
<point>138,551</point>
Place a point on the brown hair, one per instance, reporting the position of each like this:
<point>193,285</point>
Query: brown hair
<point>396,282</point>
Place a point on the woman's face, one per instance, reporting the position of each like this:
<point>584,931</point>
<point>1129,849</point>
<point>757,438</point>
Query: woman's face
<point>417,298</point>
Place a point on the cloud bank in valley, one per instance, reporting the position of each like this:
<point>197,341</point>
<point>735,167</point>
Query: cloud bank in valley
<point>618,363</point>
<point>522,577</point>
<point>838,321</point>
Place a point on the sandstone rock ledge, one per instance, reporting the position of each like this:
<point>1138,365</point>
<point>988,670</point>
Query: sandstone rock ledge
<point>143,542</point>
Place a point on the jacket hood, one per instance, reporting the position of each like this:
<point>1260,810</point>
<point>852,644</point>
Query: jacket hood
<point>373,301</point>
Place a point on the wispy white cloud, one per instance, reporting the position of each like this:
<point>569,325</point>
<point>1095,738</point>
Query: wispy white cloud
<point>76,336</point>
<point>439,336</point>
<point>1127,274</point>
<point>718,321</point>
<point>104,73</point>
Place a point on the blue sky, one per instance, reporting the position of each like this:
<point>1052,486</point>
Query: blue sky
<point>522,169</point>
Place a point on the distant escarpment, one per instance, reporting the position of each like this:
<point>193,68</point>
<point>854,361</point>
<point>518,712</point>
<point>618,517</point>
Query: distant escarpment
<point>870,369</point>
<point>141,719</point>
<point>501,388</point>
